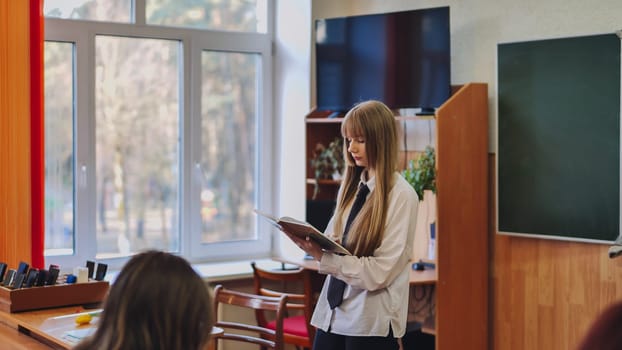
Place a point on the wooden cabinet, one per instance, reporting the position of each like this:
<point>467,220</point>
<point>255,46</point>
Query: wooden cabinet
<point>462,220</point>
<point>461,209</point>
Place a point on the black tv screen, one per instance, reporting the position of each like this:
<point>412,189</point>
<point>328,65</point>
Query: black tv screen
<point>400,58</point>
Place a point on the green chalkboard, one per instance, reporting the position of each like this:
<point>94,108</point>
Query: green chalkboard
<point>558,169</point>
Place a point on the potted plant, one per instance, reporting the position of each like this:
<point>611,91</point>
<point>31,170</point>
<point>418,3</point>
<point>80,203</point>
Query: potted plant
<point>421,174</point>
<point>327,162</point>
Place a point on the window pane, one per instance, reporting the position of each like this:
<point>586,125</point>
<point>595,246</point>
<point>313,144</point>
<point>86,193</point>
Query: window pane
<point>228,139</point>
<point>137,144</point>
<point>231,15</point>
<point>59,156</point>
<point>94,10</point>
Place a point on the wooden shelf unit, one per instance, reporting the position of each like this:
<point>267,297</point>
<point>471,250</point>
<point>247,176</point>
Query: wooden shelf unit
<point>321,129</point>
<point>462,211</point>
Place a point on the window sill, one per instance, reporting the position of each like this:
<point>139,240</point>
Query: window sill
<point>232,270</point>
<point>224,271</point>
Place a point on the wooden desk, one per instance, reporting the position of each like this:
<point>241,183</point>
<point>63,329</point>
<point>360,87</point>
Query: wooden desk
<point>46,329</point>
<point>49,326</point>
<point>11,338</point>
<point>428,276</point>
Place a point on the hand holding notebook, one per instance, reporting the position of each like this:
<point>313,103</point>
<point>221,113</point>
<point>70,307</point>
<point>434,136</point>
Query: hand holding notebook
<point>303,230</point>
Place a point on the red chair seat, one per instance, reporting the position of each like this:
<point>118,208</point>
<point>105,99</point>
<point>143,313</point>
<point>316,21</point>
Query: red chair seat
<point>296,325</point>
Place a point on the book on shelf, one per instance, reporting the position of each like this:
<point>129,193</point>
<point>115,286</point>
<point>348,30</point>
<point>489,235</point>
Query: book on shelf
<point>303,230</point>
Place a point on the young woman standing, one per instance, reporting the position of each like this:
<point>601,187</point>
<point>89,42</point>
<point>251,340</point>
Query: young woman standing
<point>363,303</point>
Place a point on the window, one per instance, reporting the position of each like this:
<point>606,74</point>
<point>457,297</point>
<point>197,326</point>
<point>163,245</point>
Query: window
<point>94,10</point>
<point>59,164</point>
<point>227,140</point>
<point>230,15</point>
<point>154,131</point>
<point>136,144</point>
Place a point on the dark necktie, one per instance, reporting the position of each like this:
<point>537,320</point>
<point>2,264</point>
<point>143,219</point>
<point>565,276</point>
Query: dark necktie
<point>337,286</point>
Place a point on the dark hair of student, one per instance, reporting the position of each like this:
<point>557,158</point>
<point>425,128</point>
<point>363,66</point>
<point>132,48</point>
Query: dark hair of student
<point>375,123</point>
<point>605,333</point>
<point>156,302</point>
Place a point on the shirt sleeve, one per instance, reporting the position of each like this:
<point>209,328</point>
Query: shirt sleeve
<point>378,271</point>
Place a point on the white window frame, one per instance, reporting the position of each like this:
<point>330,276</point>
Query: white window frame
<point>243,43</point>
<point>193,41</point>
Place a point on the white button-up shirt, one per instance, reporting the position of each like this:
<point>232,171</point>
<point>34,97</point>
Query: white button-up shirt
<point>378,286</point>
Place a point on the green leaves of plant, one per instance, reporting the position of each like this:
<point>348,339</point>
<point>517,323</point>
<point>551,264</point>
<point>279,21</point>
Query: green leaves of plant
<point>327,161</point>
<point>421,174</point>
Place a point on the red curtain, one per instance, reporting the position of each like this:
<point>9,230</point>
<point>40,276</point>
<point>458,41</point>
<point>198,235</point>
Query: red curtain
<point>37,144</point>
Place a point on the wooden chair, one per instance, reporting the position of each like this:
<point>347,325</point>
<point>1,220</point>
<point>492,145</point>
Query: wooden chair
<point>262,336</point>
<point>297,329</point>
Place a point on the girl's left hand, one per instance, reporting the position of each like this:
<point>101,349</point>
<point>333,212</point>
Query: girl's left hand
<point>309,246</point>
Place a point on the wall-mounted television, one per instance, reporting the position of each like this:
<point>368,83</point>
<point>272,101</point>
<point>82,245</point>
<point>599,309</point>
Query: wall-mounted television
<point>400,58</point>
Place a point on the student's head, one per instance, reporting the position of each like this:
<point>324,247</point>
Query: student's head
<point>156,302</point>
<point>370,132</point>
<point>372,123</point>
<point>606,331</point>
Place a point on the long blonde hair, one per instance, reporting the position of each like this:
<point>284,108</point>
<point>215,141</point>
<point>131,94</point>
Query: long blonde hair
<point>375,122</point>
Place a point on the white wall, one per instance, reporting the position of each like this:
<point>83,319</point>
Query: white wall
<point>291,94</point>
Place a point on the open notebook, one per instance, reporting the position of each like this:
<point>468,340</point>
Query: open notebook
<point>303,230</point>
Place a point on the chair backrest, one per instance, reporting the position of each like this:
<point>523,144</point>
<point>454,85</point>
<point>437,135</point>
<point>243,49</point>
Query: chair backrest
<point>266,338</point>
<point>304,301</point>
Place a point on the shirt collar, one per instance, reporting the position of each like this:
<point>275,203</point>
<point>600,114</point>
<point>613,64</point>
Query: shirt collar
<point>371,183</point>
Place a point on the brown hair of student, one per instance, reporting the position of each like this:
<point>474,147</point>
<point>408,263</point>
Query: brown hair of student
<point>605,333</point>
<point>156,302</point>
<point>375,123</point>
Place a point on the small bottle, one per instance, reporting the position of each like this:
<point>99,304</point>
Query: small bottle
<point>432,242</point>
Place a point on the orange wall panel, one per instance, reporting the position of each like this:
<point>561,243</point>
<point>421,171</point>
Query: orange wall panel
<point>15,202</point>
